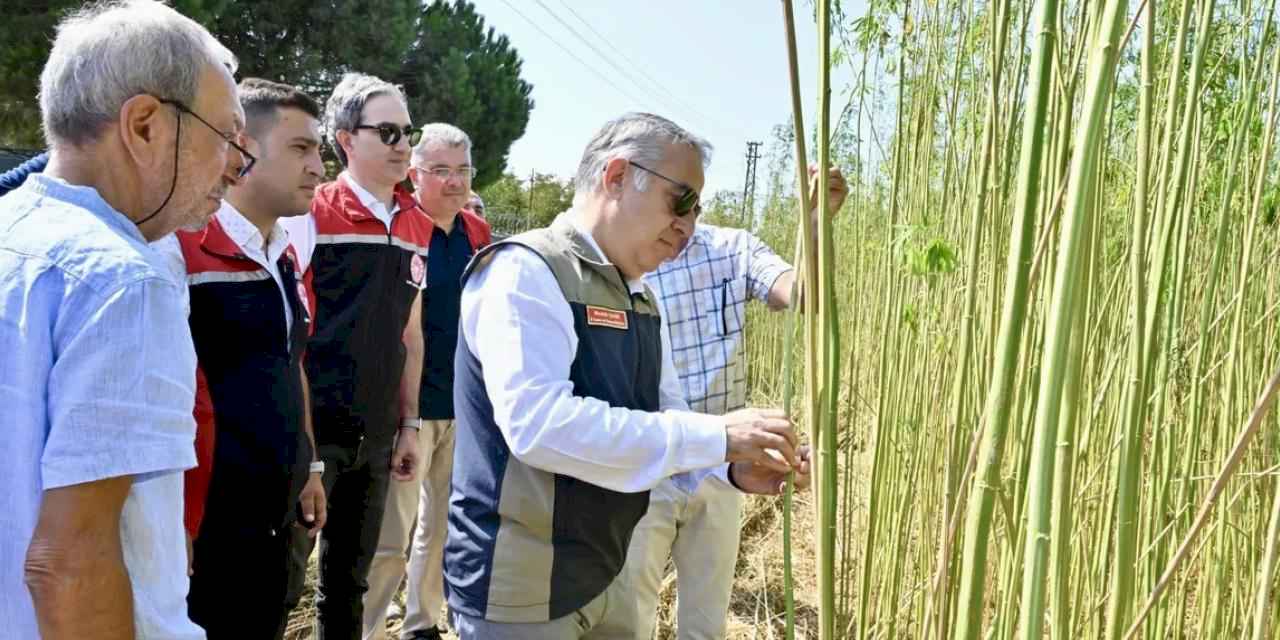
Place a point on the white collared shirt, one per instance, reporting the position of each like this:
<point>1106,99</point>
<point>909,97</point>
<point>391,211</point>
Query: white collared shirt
<point>517,322</point>
<point>248,237</point>
<point>377,208</point>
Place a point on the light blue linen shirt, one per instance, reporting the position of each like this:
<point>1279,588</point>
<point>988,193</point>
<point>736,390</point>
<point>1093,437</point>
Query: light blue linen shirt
<point>97,380</point>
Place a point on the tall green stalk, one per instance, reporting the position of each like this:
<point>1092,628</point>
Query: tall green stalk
<point>938,596</point>
<point>1262,603</point>
<point>804,251</point>
<point>999,399</point>
<point>828,344</point>
<point>1057,359</point>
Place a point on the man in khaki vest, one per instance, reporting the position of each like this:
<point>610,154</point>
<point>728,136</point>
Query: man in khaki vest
<point>568,406</point>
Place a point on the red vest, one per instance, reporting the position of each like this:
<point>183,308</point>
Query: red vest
<point>248,385</point>
<point>365,281</point>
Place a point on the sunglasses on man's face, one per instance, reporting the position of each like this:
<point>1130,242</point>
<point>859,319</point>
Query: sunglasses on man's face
<point>687,202</point>
<point>390,134</point>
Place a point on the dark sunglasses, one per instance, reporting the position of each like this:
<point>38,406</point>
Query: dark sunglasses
<point>390,134</point>
<point>688,200</point>
<point>249,158</point>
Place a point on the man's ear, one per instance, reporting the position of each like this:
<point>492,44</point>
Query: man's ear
<point>343,138</point>
<point>146,131</point>
<point>612,177</point>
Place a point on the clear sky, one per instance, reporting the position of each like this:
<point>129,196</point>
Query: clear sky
<point>717,67</point>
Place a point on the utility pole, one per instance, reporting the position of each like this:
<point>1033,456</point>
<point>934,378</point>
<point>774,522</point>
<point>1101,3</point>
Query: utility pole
<point>529,218</point>
<point>749,188</point>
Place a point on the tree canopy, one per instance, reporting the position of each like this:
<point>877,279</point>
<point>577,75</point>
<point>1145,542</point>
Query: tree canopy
<point>454,69</point>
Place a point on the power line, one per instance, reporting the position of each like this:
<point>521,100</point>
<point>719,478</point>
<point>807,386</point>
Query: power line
<point>638,67</point>
<point>609,60</point>
<point>571,54</point>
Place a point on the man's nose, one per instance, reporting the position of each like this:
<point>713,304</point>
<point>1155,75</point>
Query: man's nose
<point>684,225</point>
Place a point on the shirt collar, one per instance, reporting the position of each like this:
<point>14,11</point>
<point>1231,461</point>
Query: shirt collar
<point>86,197</point>
<point>368,199</point>
<point>636,285</point>
<point>247,235</point>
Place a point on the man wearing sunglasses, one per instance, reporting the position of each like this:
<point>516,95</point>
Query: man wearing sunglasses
<point>568,406</point>
<point>703,292</point>
<point>441,172</point>
<point>364,246</point>
<point>250,318</point>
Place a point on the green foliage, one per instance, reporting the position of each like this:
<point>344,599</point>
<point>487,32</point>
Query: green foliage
<point>312,43</point>
<point>724,209</point>
<point>1270,205</point>
<point>514,205</point>
<point>935,258</point>
<point>460,72</point>
<point>27,33</point>
<point>454,69</point>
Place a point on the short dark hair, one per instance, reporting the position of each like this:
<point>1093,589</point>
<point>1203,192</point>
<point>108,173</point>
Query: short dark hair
<point>262,99</point>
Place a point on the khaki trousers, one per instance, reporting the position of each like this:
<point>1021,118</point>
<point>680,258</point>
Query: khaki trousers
<point>700,532</point>
<point>610,616</point>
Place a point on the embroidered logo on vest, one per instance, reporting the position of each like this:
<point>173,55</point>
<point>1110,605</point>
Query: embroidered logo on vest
<point>417,271</point>
<point>602,317</point>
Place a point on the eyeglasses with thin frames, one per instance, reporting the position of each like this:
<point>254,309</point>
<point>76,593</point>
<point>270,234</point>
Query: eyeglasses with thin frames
<point>687,202</point>
<point>466,174</point>
<point>249,158</point>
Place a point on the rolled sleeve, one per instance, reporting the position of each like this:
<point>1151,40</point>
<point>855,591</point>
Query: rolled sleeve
<point>122,388</point>
<point>764,267</point>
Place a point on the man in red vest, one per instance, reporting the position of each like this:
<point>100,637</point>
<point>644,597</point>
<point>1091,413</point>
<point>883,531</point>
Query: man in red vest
<point>364,248</point>
<point>250,317</point>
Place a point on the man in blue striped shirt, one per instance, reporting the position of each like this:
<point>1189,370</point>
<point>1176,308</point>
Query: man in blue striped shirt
<point>98,372</point>
<point>704,292</point>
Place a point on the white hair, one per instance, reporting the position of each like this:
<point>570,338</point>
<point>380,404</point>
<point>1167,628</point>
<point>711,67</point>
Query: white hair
<point>108,52</point>
<point>345,106</point>
<point>439,135</point>
<point>642,137</point>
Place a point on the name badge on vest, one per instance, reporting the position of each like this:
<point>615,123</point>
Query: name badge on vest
<point>604,317</point>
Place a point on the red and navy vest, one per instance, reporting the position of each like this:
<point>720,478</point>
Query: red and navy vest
<point>249,404</point>
<point>365,280</point>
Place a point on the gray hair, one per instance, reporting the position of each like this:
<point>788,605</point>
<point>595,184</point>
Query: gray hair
<point>107,53</point>
<point>345,106</point>
<point>642,137</point>
<point>439,135</point>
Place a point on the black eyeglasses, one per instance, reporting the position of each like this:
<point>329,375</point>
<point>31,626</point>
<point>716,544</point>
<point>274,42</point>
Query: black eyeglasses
<point>688,200</point>
<point>390,133</point>
<point>249,158</point>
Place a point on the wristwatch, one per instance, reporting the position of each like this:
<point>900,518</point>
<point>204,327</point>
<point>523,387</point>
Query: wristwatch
<point>317,466</point>
<point>411,423</point>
